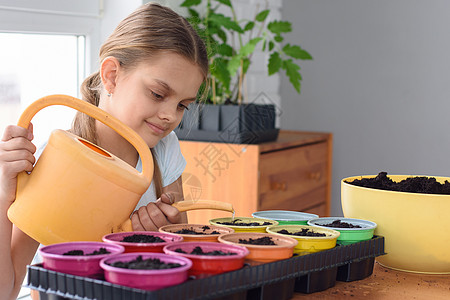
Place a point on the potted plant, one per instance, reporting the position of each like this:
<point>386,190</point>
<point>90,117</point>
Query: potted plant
<point>227,116</point>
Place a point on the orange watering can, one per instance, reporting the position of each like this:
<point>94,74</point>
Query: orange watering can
<point>78,191</point>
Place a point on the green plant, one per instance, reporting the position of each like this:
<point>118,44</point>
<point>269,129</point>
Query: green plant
<point>231,42</point>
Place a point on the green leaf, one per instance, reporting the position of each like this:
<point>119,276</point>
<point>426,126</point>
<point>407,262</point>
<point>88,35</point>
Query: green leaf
<point>249,26</point>
<point>278,27</point>
<point>194,14</point>
<point>260,17</point>
<point>275,63</point>
<point>271,45</point>
<point>249,47</point>
<point>234,64</point>
<point>226,2</point>
<point>226,22</point>
<point>222,35</point>
<point>189,3</point>
<point>292,71</point>
<point>246,65</point>
<point>264,45</point>
<point>220,71</point>
<point>225,50</point>
<point>278,38</point>
<point>296,52</point>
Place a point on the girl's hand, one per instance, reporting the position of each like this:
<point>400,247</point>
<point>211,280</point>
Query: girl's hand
<point>16,156</point>
<point>157,214</point>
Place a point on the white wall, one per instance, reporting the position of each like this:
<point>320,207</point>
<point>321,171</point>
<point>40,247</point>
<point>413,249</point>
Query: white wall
<point>379,82</point>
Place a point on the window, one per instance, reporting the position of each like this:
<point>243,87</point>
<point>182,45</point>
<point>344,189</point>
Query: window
<point>37,65</point>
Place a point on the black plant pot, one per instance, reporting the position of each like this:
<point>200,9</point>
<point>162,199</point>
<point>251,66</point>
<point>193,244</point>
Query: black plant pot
<point>240,124</point>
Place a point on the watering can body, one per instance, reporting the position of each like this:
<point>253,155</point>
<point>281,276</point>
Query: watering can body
<point>78,191</point>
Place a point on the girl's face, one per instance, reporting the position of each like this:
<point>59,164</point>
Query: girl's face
<point>152,98</point>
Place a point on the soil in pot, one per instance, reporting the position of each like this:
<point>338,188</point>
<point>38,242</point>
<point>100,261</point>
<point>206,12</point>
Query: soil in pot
<point>81,252</point>
<point>340,224</point>
<point>144,264</point>
<point>267,240</point>
<point>192,231</point>
<point>199,251</point>
<point>238,222</point>
<point>142,238</point>
<point>303,232</point>
<point>418,184</point>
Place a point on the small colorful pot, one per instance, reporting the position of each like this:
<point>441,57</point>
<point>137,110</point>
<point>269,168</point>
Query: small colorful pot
<point>308,244</point>
<point>260,228</point>
<point>146,279</point>
<point>348,235</point>
<point>207,229</point>
<point>206,265</point>
<point>283,248</point>
<point>285,217</point>
<point>117,238</point>
<point>81,265</point>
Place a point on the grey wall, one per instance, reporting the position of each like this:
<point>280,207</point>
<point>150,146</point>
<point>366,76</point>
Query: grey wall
<point>379,81</point>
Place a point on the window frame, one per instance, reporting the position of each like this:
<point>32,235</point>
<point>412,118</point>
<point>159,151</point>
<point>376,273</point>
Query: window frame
<point>68,19</point>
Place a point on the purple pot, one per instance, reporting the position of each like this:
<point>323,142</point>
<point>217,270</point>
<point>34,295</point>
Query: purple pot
<point>116,238</point>
<point>82,265</point>
<point>146,279</point>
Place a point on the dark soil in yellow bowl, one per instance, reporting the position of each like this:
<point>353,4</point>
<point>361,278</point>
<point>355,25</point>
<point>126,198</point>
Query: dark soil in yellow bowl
<point>418,184</point>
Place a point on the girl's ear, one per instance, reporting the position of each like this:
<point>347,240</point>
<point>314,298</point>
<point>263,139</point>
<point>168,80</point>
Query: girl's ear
<point>108,72</point>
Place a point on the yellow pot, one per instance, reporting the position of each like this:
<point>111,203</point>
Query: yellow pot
<point>308,244</point>
<point>415,226</point>
<point>78,191</point>
<point>260,228</point>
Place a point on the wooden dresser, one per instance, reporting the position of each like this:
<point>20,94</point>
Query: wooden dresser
<point>291,173</point>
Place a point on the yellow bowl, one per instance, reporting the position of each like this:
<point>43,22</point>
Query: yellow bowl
<point>415,226</point>
<point>308,244</point>
<point>260,228</point>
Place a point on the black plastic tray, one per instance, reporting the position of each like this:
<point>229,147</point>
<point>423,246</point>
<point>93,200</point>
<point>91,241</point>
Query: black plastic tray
<point>276,280</point>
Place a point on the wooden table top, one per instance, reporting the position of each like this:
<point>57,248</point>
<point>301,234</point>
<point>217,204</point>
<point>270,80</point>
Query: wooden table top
<point>386,283</point>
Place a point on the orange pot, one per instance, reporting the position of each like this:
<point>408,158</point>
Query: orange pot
<point>208,236</point>
<point>283,248</point>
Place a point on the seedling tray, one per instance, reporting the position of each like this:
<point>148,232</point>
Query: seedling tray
<point>277,279</point>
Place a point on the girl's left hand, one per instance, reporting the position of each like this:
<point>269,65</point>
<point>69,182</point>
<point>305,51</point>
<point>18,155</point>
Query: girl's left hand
<point>157,214</point>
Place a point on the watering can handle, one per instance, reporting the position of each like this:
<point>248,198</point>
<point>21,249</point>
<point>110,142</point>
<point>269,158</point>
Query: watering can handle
<point>99,114</point>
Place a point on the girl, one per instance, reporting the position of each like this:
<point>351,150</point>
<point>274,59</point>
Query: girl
<point>151,69</point>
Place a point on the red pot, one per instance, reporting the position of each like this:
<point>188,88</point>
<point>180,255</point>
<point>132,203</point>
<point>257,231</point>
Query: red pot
<point>206,265</point>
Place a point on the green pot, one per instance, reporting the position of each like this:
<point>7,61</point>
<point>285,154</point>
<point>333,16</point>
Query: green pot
<point>348,235</point>
<point>285,217</point>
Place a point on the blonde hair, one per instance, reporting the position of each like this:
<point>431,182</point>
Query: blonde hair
<point>146,32</point>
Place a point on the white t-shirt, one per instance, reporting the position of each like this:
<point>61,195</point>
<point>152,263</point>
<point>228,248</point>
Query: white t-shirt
<point>170,161</point>
<point>171,164</point>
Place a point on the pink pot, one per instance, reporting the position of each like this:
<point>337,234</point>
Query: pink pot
<point>205,265</point>
<point>116,238</point>
<point>146,279</point>
<point>85,265</point>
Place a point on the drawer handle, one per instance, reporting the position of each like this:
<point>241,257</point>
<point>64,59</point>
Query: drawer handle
<point>315,176</point>
<point>278,186</point>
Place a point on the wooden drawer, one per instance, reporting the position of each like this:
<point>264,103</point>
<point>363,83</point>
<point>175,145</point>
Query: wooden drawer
<point>293,179</point>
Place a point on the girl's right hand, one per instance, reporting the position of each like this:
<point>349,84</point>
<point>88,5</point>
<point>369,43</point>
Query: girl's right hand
<point>16,156</point>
